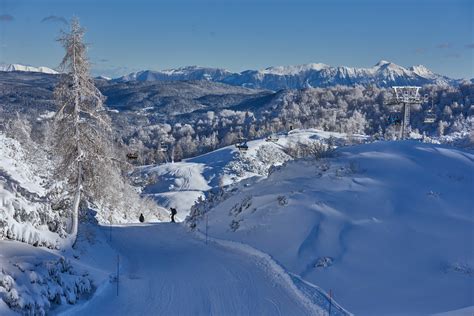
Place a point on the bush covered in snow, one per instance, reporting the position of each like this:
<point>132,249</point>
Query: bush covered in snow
<point>266,156</point>
<point>33,286</point>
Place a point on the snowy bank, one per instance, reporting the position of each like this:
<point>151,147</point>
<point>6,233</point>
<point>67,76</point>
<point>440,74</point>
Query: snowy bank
<point>386,226</point>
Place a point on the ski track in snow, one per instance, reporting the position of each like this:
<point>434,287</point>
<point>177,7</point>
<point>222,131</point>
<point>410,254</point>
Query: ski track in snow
<point>167,271</point>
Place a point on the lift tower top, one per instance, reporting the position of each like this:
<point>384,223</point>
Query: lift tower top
<point>406,96</point>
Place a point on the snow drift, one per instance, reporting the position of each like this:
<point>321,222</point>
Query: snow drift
<point>387,226</point>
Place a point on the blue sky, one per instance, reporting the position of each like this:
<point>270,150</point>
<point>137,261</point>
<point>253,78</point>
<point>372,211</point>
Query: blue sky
<point>130,35</point>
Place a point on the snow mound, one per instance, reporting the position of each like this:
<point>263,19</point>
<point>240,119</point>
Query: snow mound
<point>386,226</point>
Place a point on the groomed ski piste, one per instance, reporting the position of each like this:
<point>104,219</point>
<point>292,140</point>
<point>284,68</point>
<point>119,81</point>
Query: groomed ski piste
<point>387,227</point>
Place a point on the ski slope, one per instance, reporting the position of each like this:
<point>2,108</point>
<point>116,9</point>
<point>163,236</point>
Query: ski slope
<point>167,271</point>
<point>181,184</point>
<point>388,226</point>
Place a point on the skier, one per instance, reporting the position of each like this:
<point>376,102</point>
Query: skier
<point>142,218</point>
<point>173,213</point>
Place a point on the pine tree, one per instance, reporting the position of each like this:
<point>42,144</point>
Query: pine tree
<point>81,131</point>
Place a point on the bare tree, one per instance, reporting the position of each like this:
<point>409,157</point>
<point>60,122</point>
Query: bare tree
<point>81,131</point>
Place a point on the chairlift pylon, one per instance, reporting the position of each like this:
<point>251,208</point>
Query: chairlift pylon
<point>242,144</point>
<point>272,138</point>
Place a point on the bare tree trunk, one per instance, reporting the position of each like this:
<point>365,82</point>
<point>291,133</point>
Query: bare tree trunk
<point>75,206</point>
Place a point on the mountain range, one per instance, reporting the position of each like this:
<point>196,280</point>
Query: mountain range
<point>25,68</point>
<point>382,74</point>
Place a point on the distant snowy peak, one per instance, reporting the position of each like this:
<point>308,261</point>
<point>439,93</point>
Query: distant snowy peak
<point>183,73</point>
<point>19,67</point>
<point>422,71</point>
<point>293,70</point>
<point>101,77</point>
<point>383,74</point>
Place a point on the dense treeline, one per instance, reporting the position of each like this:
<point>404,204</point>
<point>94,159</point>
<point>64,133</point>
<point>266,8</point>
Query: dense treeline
<point>174,120</point>
<point>352,110</point>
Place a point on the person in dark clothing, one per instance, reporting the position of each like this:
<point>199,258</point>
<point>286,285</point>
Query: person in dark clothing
<point>142,218</point>
<point>173,213</point>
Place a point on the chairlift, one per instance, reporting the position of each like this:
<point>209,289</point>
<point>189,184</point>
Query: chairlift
<point>430,117</point>
<point>272,138</point>
<point>132,156</point>
<point>242,144</point>
<point>163,147</point>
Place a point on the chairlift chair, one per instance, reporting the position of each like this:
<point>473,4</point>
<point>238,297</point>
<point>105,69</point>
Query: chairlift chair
<point>430,117</point>
<point>242,144</point>
<point>132,156</point>
<point>163,147</point>
<point>272,138</point>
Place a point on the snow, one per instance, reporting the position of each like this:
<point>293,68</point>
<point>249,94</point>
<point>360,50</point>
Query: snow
<point>384,73</point>
<point>182,275</point>
<point>422,71</point>
<point>12,161</point>
<point>25,212</point>
<point>33,280</point>
<point>293,70</point>
<point>180,184</point>
<point>19,67</point>
<point>386,226</point>
<point>46,115</point>
<point>392,222</point>
<point>468,311</point>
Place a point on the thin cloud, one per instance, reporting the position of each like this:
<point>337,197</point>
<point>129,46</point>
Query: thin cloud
<point>453,55</point>
<point>54,19</point>
<point>419,50</point>
<point>6,18</point>
<point>113,71</point>
<point>471,46</point>
<point>443,45</point>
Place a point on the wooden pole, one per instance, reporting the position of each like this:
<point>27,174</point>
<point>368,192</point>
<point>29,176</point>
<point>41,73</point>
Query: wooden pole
<point>118,273</point>
<point>207,225</point>
<point>330,302</point>
<point>110,226</point>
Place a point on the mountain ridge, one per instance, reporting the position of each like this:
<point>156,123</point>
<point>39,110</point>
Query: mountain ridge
<point>27,68</point>
<point>383,74</point>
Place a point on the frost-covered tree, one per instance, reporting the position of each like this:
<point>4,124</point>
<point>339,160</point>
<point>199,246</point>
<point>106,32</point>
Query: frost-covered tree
<point>81,130</point>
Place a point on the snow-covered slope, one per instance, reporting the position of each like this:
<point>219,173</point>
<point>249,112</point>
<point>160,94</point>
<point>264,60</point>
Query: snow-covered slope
<point>25,211</point>
<point>181,184</point>
<point>33,278</point>
<point>19,67</point>
<point>165,270</point>
<point>387,226</point>
<point>382,74</point>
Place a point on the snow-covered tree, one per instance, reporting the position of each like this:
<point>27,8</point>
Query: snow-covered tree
<point>81,131</point>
